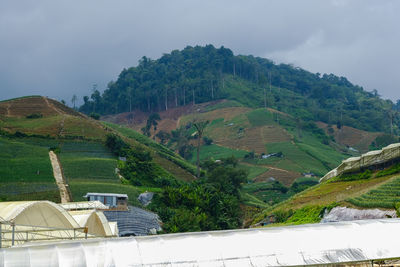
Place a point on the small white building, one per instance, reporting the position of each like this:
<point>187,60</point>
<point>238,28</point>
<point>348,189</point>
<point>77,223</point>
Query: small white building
<point>114,201</point>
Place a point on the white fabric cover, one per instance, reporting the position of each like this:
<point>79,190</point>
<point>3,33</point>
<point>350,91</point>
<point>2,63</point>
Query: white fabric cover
<point>329,243</point>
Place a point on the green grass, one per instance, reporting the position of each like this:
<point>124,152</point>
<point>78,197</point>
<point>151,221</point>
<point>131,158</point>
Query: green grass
<point>385,196</point>
<point>217,152</point>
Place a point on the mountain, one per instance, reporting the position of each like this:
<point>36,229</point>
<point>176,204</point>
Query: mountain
<point>202,74</point>
<point>281,122</point>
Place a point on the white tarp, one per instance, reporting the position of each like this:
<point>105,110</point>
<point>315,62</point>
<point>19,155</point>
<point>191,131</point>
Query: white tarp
<point>371,158</point>
<point>329,243</point>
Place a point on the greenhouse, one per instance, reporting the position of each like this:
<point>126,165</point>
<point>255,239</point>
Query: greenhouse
<point>346,243</point>
<point>32,221</point>
<point>376,158</point>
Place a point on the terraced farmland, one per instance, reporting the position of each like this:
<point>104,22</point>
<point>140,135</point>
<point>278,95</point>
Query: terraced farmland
<point>53,119</point>
<point>385,196</point>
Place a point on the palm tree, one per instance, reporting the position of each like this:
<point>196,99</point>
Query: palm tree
<point>200,126</point>
<point>73,100</point>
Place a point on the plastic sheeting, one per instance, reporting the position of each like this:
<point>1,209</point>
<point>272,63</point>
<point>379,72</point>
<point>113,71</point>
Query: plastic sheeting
<point>38,213</point>
<point>329,243</point>
<point>371,158</point>
<point>36,221</point>
<point>95,221</point>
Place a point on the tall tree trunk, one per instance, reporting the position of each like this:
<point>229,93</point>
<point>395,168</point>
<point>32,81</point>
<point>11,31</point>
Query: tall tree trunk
<point>212,90</point>
<point>166,99</point>
<point>270,90</point>
<point>176,97</point>
<point>184,96</point>
<point>265,98</point>
<point>194,102</point>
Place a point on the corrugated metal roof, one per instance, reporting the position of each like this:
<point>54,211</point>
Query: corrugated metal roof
<point>106,195</point>
<point>323,244</point>
<point>134,221</point>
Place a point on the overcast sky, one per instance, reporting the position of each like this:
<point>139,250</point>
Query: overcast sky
<point>61,48</point>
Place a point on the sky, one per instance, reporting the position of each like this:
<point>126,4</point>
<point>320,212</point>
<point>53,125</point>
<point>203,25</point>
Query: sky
<point>61,48</point>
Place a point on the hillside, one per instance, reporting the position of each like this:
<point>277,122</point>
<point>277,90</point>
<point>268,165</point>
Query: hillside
<point>241,131</point>
<point>203,74</point>
<point>372,188</point>
<point>30,126</point>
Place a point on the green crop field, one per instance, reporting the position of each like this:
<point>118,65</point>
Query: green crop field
<point>260,117</point>
<point>25,172</point>
<point>295,159</point>
<point>20,162</point>
<point>217,152</point>
<point>253,171</point>
<point>87,160</point>
<point>385,196</point>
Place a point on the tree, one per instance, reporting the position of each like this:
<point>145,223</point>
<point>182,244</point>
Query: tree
<point>200,126</point>
<point>151,121</point>
<point>73,100</point>
<point>163,136</point>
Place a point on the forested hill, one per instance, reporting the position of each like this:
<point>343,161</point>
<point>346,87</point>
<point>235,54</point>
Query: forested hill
<point>200,74</point>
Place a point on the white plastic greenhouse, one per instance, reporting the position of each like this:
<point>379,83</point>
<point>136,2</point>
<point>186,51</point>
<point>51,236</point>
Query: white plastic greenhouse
<point>313,244</point>
<point>372,158</point>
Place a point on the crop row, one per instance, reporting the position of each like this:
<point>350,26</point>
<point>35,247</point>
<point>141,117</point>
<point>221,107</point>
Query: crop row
<point>385,196</point>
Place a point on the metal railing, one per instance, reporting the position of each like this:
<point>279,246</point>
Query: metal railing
<point>12,233</point>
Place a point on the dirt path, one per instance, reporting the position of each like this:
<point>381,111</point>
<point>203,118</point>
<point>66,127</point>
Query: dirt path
<point>51,106</point>
<point>267,166</point>
<point>8,110</point>
<point>60,181</point>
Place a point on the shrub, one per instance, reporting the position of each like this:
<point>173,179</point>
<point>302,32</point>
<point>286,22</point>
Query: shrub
<point>207,141</point>
<point>392,170</point>
<point>353,177</point>
<point>95,116</point>
<point>34,116</point>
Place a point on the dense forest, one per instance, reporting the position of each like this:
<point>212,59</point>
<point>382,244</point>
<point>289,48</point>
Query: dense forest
<point>200,74</point>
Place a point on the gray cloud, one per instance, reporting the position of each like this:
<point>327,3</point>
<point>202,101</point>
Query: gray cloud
<point>61,48</point>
